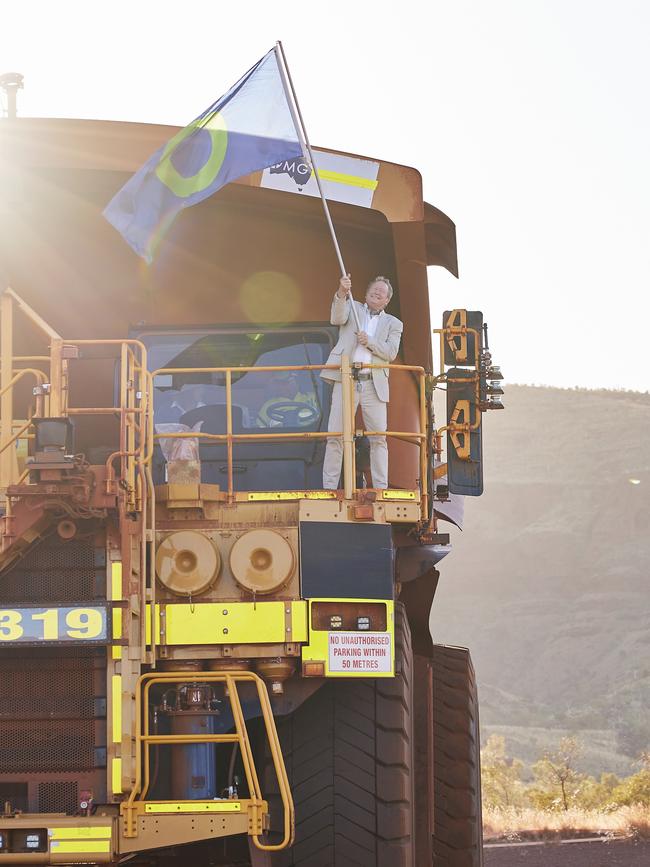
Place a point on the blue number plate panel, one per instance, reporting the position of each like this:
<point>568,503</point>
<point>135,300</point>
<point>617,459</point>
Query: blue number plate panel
<point>37,625</point>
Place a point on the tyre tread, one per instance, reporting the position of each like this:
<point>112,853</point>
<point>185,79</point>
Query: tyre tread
<point>347,750</point>
<point>457,840</point>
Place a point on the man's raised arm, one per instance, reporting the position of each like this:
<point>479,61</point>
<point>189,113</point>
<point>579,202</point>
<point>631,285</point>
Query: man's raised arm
<point>341,304</point>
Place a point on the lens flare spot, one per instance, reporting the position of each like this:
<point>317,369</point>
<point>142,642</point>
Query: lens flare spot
<point>270,296</point>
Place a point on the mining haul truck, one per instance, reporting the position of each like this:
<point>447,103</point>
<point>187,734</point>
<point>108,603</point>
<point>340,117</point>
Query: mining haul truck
<point>205,657</point>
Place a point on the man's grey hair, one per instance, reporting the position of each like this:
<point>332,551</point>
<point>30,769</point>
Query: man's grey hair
<point>381,279</point>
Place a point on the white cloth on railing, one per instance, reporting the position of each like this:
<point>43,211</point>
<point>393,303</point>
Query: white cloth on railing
<point>179,448</point>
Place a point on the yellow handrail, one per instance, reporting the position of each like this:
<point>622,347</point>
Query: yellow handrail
<point>133,410</point>
<point>144,738</point>
<point>31,314</point>
<point>419,438</point>
<point>38,374</point>
<point>137,437</point>
<point>136,428</point>
<point>135,433</point>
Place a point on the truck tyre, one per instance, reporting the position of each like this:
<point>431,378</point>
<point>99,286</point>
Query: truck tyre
<point>458,834</point>
<point>348,751</point>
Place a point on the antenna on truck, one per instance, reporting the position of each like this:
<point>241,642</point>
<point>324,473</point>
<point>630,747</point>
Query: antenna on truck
<point>11,83</point>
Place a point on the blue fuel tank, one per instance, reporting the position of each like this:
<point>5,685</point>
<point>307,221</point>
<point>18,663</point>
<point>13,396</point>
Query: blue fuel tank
<point>193,766</point>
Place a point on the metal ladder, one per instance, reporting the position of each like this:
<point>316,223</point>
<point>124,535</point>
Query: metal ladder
<point>255,806</point>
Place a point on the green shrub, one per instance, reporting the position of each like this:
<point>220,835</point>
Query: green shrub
<point>500,776</point>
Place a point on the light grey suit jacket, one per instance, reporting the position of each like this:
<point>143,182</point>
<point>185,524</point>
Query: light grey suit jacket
<point>383,345</point>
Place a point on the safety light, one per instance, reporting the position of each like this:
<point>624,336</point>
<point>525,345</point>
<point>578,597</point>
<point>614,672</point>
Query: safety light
<point>494,389</point>
<point>493,403</point>
<point>328,616</point>
<point>494,372</point>
<point>30,840</point>
<point>3,841</point>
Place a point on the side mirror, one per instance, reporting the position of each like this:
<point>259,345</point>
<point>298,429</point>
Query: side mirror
<point>473,387</point>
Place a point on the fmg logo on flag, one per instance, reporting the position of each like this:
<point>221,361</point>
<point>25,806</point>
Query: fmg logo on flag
<point>250,128</point>
<point>299,170</point>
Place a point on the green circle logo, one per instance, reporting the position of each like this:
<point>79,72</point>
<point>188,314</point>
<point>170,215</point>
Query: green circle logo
<point>183,186</point>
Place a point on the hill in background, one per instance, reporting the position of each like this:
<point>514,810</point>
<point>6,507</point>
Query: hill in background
<point>548,584</point>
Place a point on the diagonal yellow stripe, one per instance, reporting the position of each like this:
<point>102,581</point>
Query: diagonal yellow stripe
<point>348,180</point>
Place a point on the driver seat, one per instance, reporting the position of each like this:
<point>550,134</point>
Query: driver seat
<point>214,418</point>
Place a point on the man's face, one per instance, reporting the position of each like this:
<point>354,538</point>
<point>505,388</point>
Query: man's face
<point>377,295</point>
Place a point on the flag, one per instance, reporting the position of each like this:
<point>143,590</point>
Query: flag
<point>248,129</point>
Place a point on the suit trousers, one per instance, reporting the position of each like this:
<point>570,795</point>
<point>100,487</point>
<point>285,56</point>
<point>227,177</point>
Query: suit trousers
<point>374,413</point>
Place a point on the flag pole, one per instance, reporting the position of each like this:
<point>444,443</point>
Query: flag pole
<point>294,107</point>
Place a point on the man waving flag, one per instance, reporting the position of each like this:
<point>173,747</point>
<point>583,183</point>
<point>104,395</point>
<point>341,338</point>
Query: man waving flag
<point>249,128</point>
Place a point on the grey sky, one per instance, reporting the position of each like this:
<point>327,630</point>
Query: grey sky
<point>527,118</point>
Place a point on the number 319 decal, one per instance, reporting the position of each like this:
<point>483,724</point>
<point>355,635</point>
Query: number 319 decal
<point>45,625</point>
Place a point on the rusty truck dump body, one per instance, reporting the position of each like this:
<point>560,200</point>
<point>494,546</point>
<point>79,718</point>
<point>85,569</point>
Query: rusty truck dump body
<point>72,266</point>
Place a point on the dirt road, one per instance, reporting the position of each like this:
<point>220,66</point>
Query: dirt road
<point>580,853</point>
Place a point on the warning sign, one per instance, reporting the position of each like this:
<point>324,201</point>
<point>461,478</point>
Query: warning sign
<point>354,652</point>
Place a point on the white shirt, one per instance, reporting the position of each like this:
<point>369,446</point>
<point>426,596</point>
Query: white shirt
<point>362,354</point>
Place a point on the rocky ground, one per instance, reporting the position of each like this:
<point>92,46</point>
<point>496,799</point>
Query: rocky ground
<point>616,853</point>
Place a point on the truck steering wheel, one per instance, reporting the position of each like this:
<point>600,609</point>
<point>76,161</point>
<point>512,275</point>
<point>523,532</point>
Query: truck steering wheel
<point>292,413</point>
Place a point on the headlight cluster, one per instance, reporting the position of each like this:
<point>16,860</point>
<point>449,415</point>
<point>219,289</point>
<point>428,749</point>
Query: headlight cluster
<point>348,616</point>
